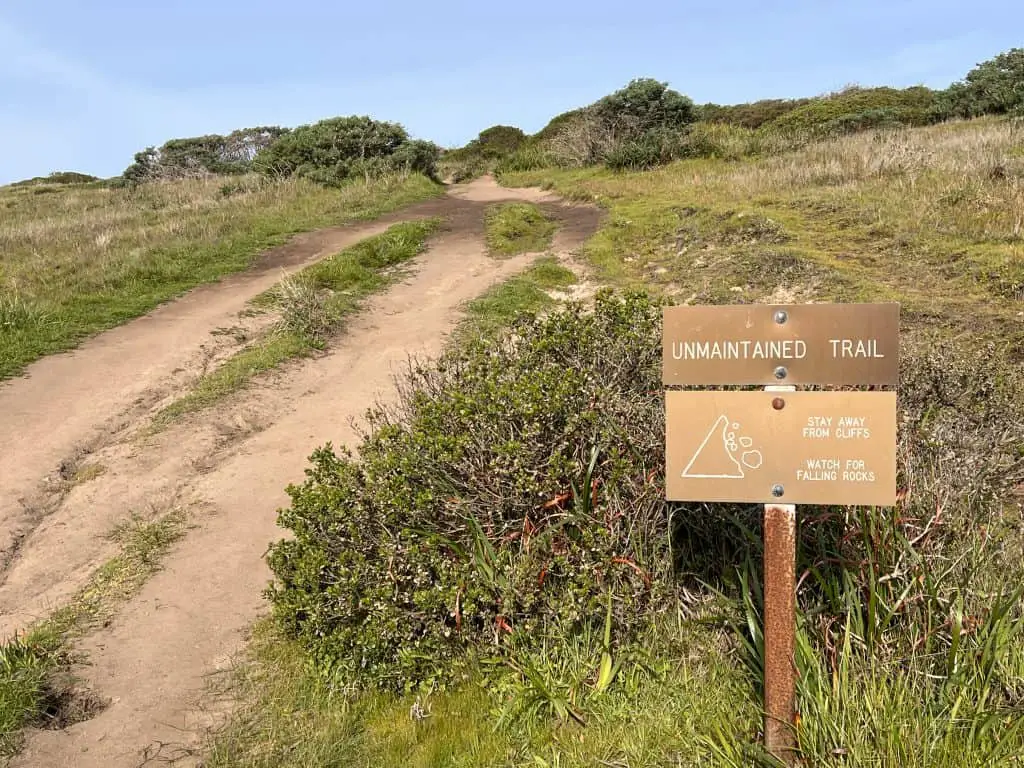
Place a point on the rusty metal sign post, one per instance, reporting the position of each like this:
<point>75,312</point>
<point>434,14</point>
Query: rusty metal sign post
<point>778,446</point>
<point>779,580</point>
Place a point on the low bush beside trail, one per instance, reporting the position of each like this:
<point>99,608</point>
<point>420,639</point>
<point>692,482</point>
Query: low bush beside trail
<point>511,490</point>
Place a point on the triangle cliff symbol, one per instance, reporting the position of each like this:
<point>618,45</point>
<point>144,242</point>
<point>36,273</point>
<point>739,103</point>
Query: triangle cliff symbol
<point>713,460</point>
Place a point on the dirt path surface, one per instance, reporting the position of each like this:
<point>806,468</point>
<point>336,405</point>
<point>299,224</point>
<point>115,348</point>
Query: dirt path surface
<point>228,468</point>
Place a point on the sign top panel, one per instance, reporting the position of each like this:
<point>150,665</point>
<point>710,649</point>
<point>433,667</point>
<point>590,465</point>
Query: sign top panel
<point>781,344</point>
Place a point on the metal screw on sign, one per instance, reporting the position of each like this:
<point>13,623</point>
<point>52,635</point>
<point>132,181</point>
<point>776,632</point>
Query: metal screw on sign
<point>781,316</point>
<point>777,491</point>
<point>781,372</point>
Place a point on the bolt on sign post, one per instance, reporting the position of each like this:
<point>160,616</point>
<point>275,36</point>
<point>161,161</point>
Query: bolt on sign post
<point>781,447</point>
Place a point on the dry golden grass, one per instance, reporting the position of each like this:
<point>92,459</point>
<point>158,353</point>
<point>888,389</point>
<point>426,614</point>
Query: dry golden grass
<point>930,217</point>
<point>80,258</point>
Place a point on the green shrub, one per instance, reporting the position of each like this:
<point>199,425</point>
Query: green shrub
<point>995,86</point>
<point>911,106</point>
<point>335,150</point>
<point>202,155</point>
<point>642,106</point>
<point>638,126</point>
<point>508,491</point>
<point>752,115</point>
<point>499,140</point>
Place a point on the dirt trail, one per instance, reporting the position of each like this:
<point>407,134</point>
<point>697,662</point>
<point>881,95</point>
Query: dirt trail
<point>230,467</point>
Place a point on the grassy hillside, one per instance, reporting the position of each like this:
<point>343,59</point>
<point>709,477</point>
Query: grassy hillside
<point>931,217</point>
<point>646,123</point>
<point>78,259</point>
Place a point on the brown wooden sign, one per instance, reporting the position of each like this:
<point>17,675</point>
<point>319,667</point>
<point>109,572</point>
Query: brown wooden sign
<point>781,344</point>
<point>781,447</point>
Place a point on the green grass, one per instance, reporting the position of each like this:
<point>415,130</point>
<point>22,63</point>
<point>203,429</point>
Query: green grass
<point>25,669</point>
<point>85,258</point>
<point>662,717</point>
<point>30,662</point>
<point>526,292</point>
<point>517,228</point>
<point>313,305</point>
<point>236,372</point>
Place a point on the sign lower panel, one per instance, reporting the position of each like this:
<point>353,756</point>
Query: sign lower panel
<point>783,447</point>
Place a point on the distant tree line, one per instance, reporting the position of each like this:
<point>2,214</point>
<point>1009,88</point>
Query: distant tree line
<point>58,177</point>
<point>640,125</point>
<point>330,152</point>
<point>202,155</point>
<point>647,123</point>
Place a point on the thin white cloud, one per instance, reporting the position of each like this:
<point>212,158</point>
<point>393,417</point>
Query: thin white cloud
<point>90,118</point>
<point>26,61</point>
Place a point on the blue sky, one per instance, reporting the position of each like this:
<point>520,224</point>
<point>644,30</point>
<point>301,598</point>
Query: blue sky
<point>85,85</point>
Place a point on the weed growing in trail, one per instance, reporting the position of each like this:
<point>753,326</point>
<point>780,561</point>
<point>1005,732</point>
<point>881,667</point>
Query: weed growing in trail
<point>87,258</point>
<point>525,293</point>
<point>517,228</point>
<point>24,673</point>
<point>313,304</point>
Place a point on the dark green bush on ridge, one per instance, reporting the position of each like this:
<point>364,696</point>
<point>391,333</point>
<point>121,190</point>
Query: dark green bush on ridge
<point>637,126</point>
<point>202,155</point>
<point>499,140</point>
<point>995,86</point>
<point>751,115</point>
<point>644,105</point>
<point>908,106</point>
<point>338,149</point>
